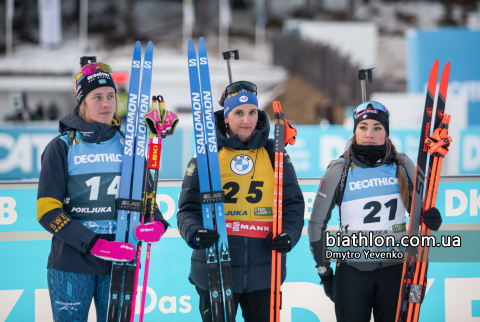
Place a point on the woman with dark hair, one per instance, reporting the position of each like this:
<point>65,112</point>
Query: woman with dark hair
<point>372,186</point>
<point>246,156</point>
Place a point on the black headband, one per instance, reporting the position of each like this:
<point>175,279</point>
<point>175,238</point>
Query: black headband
<point>372,114</point>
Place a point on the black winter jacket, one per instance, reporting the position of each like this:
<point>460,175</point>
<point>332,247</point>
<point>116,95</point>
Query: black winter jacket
<point>251,257</point>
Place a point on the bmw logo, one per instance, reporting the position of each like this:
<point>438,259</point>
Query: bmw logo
<point>243,99</point>
<point>241,164</point>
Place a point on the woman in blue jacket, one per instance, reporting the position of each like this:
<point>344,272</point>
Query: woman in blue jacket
<point>78,186</point>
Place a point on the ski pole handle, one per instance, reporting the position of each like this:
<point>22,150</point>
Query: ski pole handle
<point>227,55</point>
<point>362,73</point>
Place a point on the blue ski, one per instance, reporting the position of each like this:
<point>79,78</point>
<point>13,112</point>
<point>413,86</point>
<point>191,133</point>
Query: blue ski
<point>219,277</point>
<point>123,274</point>
<point>138,177</point>
<point>215,179</point>
<point>125,180</point>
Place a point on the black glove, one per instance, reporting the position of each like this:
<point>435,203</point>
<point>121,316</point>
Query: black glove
<point>327,282</point>
<point>206,238</point>
<point>281,243</point>
<point>432,219</point>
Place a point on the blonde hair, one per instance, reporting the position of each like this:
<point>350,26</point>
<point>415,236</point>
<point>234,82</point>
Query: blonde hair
<point>402,180</point>
<point>81,110</point>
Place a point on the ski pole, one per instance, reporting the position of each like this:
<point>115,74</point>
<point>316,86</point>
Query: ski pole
<point>275,297</point>
<point>362,73</point>
<point>142,220</point>
<point>226,56</point>
<point>155,151</point>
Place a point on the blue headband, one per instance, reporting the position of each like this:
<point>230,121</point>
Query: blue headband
<point>238,98</point>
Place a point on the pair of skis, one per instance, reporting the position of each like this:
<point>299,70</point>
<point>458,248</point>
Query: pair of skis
<point>129,204</point>
<point>211,193</point>
<point>414,276</point>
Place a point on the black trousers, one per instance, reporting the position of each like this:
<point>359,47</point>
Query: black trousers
<point>255,305</point>
<point>356,293</point>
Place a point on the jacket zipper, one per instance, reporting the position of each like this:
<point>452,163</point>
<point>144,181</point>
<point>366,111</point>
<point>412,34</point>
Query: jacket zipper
<point>245,259</point>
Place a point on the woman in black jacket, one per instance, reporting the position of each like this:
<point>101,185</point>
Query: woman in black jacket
<point>246,158</point>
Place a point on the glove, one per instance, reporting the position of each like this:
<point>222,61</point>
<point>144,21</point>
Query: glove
<point>205,238</point>
<point>113,250</point>
<point>150,232</point>
<point>281,243</point>
<point>327,282</point>
<point>432,218</point>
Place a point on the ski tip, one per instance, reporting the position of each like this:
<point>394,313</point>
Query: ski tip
<point>191,45</point>
<point>150,46</point>
<point>138,44</point>
<point>432,80</point>
<point>201,44</point>
<point>444,80</point>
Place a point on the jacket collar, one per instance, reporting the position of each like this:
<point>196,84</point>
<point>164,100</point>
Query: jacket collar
<point>91,132</point>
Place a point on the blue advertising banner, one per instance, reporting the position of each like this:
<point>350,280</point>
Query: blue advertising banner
<point>452,291</point>
<point>460,47</point>
<point>21,149</point>
<point>470,151</point>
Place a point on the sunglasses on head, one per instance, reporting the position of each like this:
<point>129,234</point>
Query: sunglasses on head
<point>370,105</point>
<point>238,86</point>
<point>91,69</point>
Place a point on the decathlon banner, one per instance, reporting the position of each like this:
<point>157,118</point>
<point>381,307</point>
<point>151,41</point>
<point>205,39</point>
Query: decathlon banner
<point>452,291</point>
<point>21,148</point>
<point>470,151</point>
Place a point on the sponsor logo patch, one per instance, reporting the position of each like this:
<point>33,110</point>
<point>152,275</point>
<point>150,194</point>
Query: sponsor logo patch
<point>365,113</point>
<point>399,228</point>
<point>243,99</point>
<point>263,211</point>
<point>190,168</point>
<point>241,164</point>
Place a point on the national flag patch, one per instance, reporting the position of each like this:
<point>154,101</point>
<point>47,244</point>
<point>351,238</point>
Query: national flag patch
<point>102,81</point>
<point>322,184</point>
